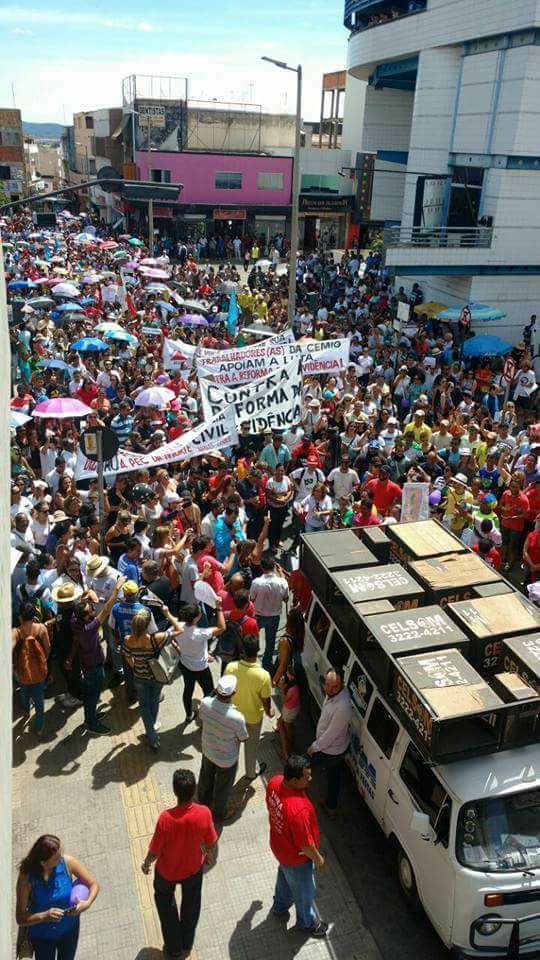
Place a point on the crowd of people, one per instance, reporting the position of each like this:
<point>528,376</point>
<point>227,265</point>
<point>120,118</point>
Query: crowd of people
<point>110,593</point>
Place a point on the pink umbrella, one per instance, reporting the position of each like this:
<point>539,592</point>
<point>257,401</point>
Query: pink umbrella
<point>124,236</point>
<point>149,262</point>
<point>155,274</point>
<point>60,408</point>
<point>131,265</point>
<point>109,245</point>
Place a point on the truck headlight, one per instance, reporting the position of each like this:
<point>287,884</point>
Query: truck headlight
<point>489,926</point>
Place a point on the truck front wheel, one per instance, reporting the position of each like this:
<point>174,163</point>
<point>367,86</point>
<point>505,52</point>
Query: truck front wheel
<point>407,881</point>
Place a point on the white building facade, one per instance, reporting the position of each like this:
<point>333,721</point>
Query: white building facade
<point>452,112</point>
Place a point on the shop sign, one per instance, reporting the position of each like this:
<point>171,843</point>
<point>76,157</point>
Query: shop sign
<point>309,204</point>
<point>221,213</point>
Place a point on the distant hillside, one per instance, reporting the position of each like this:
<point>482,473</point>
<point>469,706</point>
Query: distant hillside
<point>44,131</point>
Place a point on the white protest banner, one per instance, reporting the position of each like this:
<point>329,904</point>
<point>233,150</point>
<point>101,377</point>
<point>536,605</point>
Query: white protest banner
<point>177,355</point>
<point>217,432</point>
<point>151,332</point>
<point>415,502</point>
<point>324,356</point>
<point>244,364</point>
<point>273,402</point>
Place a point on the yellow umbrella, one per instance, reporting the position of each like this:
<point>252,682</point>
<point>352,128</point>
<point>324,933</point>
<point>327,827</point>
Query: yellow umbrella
<point>431,309</point>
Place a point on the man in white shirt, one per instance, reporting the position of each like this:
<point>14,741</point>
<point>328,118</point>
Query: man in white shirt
<point>268,593</point>
<point>343,479</point>
<point>332,737</point>
<point>60,470</point>
<point>306,477</point>
<point>291,438</point>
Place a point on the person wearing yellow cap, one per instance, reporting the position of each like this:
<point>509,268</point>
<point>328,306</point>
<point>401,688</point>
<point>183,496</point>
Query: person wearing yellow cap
<point>120,622</point>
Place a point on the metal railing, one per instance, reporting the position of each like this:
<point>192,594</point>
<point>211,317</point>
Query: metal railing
<point>438,237</point>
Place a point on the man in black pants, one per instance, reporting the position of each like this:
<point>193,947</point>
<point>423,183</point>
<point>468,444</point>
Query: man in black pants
<point>184,840</point>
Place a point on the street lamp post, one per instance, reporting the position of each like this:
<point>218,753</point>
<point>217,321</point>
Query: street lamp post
<point>295,184</point>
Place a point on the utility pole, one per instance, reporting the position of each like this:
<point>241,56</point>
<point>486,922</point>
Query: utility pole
<point>150,202</point>
<point>295,184</point>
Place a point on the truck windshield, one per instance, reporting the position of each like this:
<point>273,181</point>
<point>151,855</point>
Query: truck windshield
<point>501,834</point>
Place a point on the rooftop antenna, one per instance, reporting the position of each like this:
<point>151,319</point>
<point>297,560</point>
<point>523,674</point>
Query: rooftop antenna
<point>13,94</point>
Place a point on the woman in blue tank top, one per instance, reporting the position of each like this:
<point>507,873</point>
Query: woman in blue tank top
<point>44,886</point>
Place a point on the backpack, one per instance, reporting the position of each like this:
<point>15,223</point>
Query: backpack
<point>29,659</point>
<point>229,643</point>
<point>36,600</point>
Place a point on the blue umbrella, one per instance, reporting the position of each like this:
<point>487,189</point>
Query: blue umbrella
<point>486,345</point>
<point>169,307</point>
<point>20,284</point>
<point>54,364</point>
<point>87,301</point>
<point>71,307</point>
<point>480,313</point>
<point>89,345</point>
<point>122,336</point>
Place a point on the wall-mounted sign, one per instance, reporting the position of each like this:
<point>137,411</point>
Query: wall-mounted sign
<point>324,204</point>
<point>365,170</point>
<point>221,213</point>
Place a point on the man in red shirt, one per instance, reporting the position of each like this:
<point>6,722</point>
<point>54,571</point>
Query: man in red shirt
<point>184,840</point>
<point>385,492</point>
<point>294,841</point>
<point>514,508</point>
<point>306,448</point>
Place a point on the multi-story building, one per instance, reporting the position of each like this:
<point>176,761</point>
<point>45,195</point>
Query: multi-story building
<point>451,115</point>
<point>90,147</point>
<point>12,167</point>
<point>44,167</point>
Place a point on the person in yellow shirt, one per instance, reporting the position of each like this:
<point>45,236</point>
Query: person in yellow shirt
<point>478,446</point>
<point>418,427</point>
<point>253,697</point>
<point>458,506</point>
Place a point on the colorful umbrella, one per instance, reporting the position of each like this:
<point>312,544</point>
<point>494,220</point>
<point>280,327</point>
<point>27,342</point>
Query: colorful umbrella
<point>65,289</point>
<point>135,242</point>
<point>193,320</point>
<point>155,397</point>
<point>60,408</point>
<point>54,364</point>
<point>89,345</point>
<point>154,273</point>
<point>70,307</point>
<point>109,245</point>
<point>41,303</point>
<point>121,336</point>
<point>20,284</point>
<point>486,345</point>
<point>107,325</point>
<point>17,419</point>
<point>195,306</point>
<point>168,307</point>
<point>480,313</point>
<point>92,278</point>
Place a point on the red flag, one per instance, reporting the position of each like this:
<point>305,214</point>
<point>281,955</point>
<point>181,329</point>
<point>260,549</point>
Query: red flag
<point>131,307</point>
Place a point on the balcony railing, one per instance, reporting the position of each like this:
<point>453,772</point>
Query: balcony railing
<point>363,14</point>
<point>438,237</point>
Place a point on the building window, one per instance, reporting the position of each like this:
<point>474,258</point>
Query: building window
<point>228,181</point>
<point>160,176</point>
<point>5,173</point>
<point>270,181</point>
<point>89,123</point>
<point>9,138</point>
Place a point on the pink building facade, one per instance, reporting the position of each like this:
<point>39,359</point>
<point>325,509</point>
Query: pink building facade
<point>235,194</point>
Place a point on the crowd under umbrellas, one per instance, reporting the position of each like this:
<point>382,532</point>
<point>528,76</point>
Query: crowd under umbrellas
<point>420,402</point>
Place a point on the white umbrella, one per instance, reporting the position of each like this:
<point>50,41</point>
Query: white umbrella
<point>65,289</point>
<point>107,326</point>
<point>155,397</point>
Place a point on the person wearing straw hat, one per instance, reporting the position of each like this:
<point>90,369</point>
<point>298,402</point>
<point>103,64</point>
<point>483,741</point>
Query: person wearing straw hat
<point>65,595</point>
<point>458,504</point>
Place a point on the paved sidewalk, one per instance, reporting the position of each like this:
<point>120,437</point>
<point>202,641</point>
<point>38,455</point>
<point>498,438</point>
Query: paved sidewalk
<point>102,797</point>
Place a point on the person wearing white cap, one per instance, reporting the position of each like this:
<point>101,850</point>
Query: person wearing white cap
<point>458,504</point>
<point>223,730</point>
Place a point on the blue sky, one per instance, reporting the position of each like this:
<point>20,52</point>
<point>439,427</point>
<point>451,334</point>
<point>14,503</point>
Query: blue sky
<point>61,59</point>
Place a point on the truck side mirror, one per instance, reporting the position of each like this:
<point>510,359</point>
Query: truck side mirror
<point>420,824</point>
